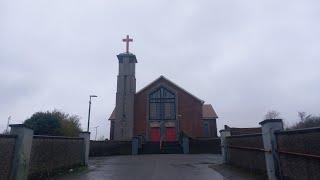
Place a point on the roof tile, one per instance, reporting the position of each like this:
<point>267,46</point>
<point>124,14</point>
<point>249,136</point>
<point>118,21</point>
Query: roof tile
<point>208,112</point>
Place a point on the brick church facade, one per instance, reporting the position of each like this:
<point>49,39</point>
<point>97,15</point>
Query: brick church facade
<point>161,111</point>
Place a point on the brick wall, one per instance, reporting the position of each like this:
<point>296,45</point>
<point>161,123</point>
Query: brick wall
<point>50,153</point>
<point>253,160</point>
<point>108,148</point>
<point>306,141</point>
<point>7,143</point>
<point>208,146</point>
<point>213,128</point>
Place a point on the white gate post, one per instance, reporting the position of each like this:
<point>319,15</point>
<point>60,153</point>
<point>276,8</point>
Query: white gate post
<point>224,148</point>
<point>22,152</point>
<point>185,145</point>
<point>269,126</point>
<point>86,146</point>
<point>135,146</point>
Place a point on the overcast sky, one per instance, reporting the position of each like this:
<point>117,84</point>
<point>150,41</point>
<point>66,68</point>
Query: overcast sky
<point>243,57</point>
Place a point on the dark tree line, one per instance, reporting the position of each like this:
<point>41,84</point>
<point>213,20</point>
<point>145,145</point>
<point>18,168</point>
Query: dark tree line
<point>54,123</point>
<point>306,121</point>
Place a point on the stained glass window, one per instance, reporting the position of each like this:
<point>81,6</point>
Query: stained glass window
<point>162,105</point>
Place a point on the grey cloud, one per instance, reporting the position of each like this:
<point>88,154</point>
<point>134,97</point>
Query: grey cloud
<point>243,57</point>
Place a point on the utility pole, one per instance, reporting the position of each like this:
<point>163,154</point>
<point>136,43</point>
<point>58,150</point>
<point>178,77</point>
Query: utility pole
<point>91,96</point>
<point>7,130</point>
<point>96,132</point>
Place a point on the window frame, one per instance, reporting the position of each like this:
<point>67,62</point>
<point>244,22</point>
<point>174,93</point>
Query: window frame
<point>161,101</point>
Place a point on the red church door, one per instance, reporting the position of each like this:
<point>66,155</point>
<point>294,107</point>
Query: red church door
<point>170,134</point>
<point>155,134</point>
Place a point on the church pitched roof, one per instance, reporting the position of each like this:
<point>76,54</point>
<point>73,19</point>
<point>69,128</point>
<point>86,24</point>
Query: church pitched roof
<point>113,115</point>
<point>208,112</point>
<point>166,79</point>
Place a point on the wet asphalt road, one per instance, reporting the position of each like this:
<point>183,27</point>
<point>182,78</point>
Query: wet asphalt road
<point>153,167</point>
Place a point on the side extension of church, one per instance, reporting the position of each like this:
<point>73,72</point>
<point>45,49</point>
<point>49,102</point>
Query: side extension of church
<point>161,111</point>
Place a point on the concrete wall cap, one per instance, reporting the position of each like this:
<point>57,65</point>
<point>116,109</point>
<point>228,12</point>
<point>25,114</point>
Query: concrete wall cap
<point>270,121</point>
<point>84,132</point>
<point>18,125</point>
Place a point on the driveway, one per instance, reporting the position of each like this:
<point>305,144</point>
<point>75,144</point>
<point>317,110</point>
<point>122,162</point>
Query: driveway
<point>156,167</point>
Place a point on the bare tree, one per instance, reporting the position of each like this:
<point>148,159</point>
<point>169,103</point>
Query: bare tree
<point>302,115</point>
<point>272,115</point>
<point>6,131</point>
<point>306,121</point>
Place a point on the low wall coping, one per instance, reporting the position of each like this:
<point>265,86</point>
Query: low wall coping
<point>98,141</point>
<point>110,142</point>
<point>123,141</point>
<point>299,131</point>
<point>202,138</point>
<point>245,135</point>
<point>18,125</point>
<point>8,136</point>
<point>85,132</point>
<point>55,137</point>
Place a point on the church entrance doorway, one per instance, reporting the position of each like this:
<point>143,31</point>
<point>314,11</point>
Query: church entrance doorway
<point>155,134</point>
<point>170,134</point>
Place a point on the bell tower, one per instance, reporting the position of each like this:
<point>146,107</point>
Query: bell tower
<point>126,89</point>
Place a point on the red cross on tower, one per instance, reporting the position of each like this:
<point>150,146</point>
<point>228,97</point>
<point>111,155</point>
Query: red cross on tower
<point>127,40</point>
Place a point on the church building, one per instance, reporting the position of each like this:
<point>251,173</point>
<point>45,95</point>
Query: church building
<point>160,111</point>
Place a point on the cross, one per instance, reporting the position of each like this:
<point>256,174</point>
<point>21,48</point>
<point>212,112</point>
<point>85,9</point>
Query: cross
<point>127,40</point>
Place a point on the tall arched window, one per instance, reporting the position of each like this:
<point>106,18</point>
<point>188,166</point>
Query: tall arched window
<point>162,105</point>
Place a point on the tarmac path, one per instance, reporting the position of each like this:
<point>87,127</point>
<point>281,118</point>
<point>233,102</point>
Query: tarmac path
<point>157,167</point>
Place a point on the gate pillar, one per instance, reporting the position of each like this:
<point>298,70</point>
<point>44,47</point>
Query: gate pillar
<point>269,126</point>
<point>22,152</point>
<point>224,133</point>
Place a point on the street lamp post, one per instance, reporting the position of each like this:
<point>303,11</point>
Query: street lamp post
<point>91,96</point>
